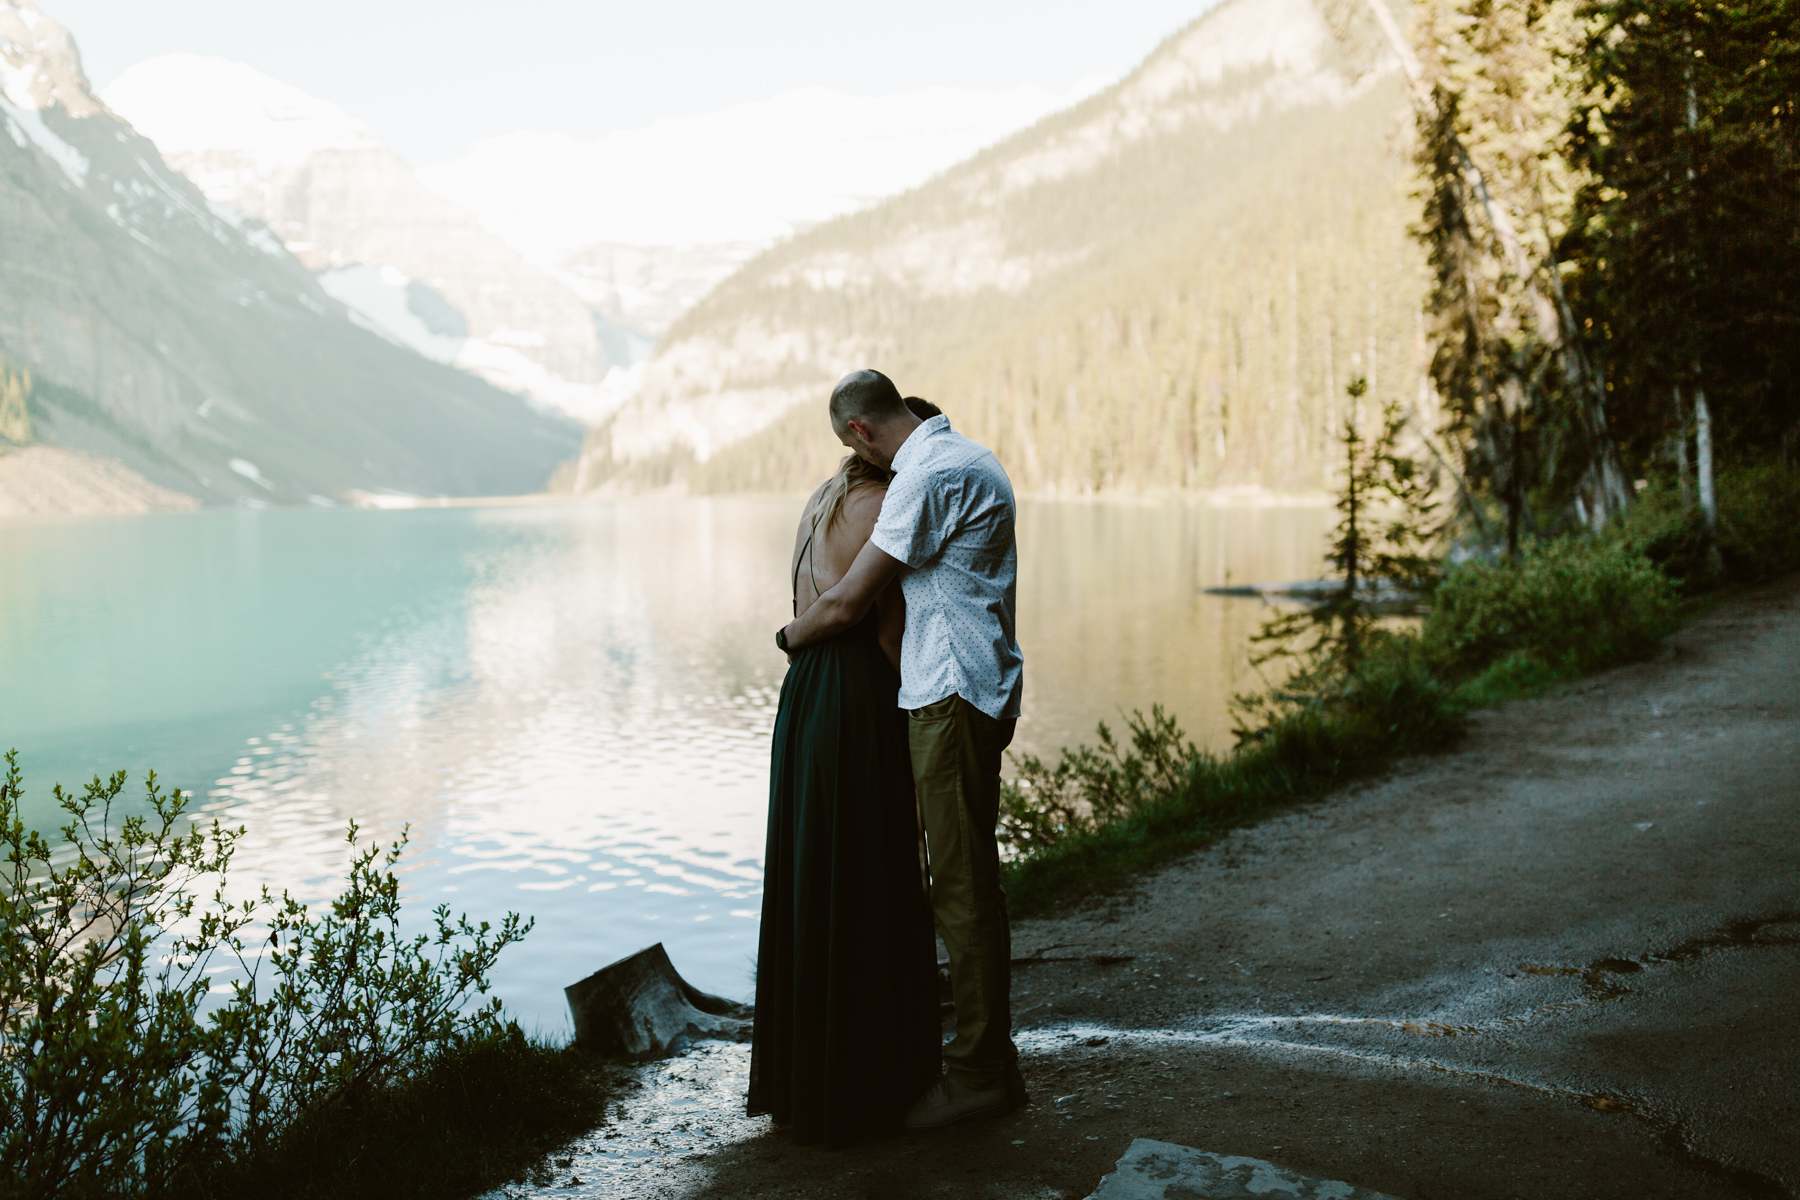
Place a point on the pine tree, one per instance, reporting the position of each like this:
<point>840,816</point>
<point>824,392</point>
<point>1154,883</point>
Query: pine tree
<point>1381,548</point>
<point>15,414</point>
<point>1686,239</point>
<point>1525,403</point>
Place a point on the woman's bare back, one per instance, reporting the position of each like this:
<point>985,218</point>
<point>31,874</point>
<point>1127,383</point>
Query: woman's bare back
<point>824,550</point>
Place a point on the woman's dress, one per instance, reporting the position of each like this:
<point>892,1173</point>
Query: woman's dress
<point>847,1031</point>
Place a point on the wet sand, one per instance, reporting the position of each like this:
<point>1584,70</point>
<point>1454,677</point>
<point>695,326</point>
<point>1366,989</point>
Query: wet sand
<point>1563,960</point>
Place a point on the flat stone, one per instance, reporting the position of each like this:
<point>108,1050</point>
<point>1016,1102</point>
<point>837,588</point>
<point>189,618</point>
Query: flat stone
<point>1152,1170</point>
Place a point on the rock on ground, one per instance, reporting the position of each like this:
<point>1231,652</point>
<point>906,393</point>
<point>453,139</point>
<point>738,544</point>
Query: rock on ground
<point>1152,1170</point>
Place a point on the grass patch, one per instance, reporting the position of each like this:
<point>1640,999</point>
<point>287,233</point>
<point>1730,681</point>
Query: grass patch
<point>1515,677</point>
<point>475,1117</point>
<point>1392,706</point>
<point>1100,815</point>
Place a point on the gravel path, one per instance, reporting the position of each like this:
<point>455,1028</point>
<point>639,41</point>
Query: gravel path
<point>1563,960</point>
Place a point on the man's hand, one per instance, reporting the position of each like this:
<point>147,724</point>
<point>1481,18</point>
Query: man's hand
<point>845,602</point>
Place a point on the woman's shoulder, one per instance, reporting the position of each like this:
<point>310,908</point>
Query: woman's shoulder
<point>862,505</point>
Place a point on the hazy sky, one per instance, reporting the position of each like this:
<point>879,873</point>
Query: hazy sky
<point>433,76</point>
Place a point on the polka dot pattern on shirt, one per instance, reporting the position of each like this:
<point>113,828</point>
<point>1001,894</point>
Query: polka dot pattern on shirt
<point>949,516</point>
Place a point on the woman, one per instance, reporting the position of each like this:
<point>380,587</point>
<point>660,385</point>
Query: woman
<point>847,1032</point>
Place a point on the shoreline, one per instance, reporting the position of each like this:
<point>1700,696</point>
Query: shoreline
<point>1230,498</point>
<point>1356,959</point>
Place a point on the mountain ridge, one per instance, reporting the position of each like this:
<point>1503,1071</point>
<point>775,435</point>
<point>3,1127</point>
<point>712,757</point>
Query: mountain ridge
<point>1233,188</point>
<point>188,346</point>
<point>358,214</point>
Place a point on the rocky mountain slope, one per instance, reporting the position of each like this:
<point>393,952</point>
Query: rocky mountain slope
<point>639,292</point>
<point>187,345</point>
<point>403,258</point>
<point>1166,286</point>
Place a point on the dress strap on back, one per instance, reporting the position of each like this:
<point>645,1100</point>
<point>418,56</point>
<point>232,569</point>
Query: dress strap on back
<point>806,552</point>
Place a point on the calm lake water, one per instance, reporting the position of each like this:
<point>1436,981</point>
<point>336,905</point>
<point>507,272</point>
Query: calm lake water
<point>570,705</point>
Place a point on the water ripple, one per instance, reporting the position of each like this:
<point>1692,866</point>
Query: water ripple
<point>569,708</point>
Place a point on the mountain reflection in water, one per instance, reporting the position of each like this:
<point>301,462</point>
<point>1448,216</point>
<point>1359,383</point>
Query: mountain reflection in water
<point>569,705</point>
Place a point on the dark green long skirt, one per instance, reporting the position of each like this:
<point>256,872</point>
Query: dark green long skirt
<point>847,1032</point>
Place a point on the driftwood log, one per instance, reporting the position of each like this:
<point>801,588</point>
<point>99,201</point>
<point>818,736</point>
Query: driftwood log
<point>640,1007</point>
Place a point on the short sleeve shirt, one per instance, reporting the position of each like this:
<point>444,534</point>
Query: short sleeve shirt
<point>948,515</point>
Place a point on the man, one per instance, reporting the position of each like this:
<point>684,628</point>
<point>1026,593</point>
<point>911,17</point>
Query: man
<point>947,523</point>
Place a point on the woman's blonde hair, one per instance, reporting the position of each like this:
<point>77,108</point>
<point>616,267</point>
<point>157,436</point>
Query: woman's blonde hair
<point>853,473</point>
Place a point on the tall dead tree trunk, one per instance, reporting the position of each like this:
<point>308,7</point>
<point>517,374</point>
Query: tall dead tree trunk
<point>1515,471</point>
<point>1684,475</point>
<point>1703,463</point>
<point>1703,439</point>
<point>1552,318</point>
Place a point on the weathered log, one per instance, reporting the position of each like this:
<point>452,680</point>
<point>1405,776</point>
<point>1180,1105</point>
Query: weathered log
<point>640,1007</point>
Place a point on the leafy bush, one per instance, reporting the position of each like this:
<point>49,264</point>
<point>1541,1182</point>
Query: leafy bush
<point>1513,677</point>
<point>1666,529</point>
<point>1759,528</point>
<point>1574,604</point>
<point>1759,521</point>
<point>118,1076</point>
<point>1089,787</point>
<point>474,1116</point>
<point>1099,815</point>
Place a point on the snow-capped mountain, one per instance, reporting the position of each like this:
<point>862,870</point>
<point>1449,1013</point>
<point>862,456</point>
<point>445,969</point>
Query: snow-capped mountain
<point>411,264</point>
<point>184,345</point>
<point>641,291</point>
<point>542,261</point>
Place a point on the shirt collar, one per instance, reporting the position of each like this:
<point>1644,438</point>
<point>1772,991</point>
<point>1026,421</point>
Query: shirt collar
<point>914,444</point>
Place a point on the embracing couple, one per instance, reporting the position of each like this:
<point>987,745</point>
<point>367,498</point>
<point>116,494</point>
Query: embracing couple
<point>902,691</point>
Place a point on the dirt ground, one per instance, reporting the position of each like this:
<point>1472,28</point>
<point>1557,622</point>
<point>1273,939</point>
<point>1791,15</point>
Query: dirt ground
<point>1563,960</point>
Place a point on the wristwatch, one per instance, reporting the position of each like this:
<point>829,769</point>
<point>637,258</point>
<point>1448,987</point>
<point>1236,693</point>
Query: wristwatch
<point>781,639</point>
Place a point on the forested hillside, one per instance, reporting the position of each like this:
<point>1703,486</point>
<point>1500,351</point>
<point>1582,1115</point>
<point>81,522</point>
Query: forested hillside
<point>1164,287</point>
<point>1612,214</point>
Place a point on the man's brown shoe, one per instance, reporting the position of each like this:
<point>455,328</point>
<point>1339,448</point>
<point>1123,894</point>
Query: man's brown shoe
<point>947,1101</point>
<point>1016,1095</point>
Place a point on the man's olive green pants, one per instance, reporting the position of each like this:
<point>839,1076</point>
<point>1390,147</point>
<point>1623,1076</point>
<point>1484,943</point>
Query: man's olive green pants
<point>956,751</point>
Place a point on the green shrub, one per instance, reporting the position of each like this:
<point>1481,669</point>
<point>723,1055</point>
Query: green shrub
<point>1759,521</point>
<point>1575,605</point>
<point>1666,529</point>
<point>1099,815</point>
<point>1089,787</point>
<point>473,1117</point>
<point>1758,536</point>
<point>1513,677</point>
<point>118,1075</point>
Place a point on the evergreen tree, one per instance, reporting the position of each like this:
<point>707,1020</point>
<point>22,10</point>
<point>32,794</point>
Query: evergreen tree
<point>1525,404</point>
<point>1381,551</point>
<point>1687,234</point>
<point>15,415</point>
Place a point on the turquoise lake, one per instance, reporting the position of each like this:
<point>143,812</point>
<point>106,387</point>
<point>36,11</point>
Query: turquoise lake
<point>568,705</point>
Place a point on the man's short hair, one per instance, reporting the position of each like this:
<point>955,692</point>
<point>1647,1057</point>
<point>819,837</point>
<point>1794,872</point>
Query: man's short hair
<point>865,395</point>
